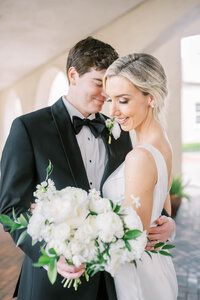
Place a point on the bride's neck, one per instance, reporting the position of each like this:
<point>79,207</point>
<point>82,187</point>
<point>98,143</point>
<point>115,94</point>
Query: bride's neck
<point>147,132</point>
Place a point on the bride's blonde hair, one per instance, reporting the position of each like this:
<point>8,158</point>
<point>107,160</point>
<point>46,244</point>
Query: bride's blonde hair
<point>146,73</point>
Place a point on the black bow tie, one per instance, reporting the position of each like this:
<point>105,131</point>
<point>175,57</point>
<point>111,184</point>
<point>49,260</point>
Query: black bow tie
<point>96,125</point>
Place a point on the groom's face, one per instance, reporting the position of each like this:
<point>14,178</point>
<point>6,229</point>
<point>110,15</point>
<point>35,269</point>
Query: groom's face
<point>89,91</point>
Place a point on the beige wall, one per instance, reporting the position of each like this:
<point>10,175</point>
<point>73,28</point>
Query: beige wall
<point>155,27</point>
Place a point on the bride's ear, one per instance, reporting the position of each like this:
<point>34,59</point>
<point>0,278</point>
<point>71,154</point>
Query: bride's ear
<point>151,101</point>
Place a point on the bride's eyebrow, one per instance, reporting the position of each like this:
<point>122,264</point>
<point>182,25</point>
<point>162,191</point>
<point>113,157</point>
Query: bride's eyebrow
<point>122,95</point>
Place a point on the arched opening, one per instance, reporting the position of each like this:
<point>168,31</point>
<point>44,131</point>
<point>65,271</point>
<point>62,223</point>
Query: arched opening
<point>12,110</point>
<point>53,84</point>
<point>59,88</point>
<point>190,56</point>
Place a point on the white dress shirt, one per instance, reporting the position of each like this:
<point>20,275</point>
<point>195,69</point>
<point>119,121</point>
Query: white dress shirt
<point>92,149</point>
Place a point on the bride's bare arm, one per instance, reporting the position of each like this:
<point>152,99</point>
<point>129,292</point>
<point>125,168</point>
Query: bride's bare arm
<point>140,180</point>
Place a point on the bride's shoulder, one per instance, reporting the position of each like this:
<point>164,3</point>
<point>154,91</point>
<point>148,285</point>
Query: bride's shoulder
<point>139,157</point>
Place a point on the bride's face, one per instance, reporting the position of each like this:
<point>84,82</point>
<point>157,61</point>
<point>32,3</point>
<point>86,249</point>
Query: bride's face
<point>127,103</point>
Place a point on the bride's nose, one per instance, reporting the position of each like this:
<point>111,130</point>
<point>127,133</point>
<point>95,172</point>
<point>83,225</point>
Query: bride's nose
<point>113,109</point>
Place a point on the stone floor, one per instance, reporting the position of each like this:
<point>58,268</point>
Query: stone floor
<point>187,249</point>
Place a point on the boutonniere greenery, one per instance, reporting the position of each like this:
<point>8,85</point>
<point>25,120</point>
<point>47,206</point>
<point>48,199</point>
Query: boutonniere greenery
<point>113,128</point>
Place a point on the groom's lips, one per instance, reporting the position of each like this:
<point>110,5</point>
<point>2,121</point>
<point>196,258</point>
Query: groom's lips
<point>121,121</point>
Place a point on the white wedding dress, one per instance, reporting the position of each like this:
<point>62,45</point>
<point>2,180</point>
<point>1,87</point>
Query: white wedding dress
<point>153,279</point>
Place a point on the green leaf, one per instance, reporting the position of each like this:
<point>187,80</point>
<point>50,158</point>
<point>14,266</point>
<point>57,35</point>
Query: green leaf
<point>148,253</point>
<point>117,208</point>
<point>158,245</point>
<point>44,252</point>
<point>93,213</point>
<point>14,215</point>
<point>22,221</point>
<point>52,270</point>
<point>14,227</point>
<point>43,260</point>
<point>132,234</point>
<point>49,170</point>
<point>111,203</point>
<point>153,251</point>
<point>33,242</point>
<point>52,251</point>
<point>6,220</point>
<point>148,239</point>
<point>21,237</point>
<point>165,253</point>
<point>128,246</point>
<point>168,246</point>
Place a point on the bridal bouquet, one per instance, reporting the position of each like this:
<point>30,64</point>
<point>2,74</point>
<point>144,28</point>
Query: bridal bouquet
<point>83,227</point>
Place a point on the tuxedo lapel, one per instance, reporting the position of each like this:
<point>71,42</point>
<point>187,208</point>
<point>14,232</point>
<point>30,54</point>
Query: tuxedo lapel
<point>69,143</point>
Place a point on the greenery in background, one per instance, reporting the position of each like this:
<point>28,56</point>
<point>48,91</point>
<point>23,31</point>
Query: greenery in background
<point>178,187</point>
<point>191,147</point>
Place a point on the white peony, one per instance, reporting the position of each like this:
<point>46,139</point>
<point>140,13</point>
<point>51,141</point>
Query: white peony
<point>109,226</point>
<point>131,218</point>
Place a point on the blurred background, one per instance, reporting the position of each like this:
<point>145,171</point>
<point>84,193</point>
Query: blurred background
<point>35,37</point>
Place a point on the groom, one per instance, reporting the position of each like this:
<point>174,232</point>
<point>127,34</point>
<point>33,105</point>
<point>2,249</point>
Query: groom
<point>81,156</point>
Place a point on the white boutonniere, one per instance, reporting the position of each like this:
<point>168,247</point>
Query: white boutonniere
<point>113,128</point>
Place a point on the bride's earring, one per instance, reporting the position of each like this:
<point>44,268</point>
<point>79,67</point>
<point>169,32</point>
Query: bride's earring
<point>152,105</point>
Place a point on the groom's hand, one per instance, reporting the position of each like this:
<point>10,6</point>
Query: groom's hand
<point>69,271</point>
<point>162,232</point>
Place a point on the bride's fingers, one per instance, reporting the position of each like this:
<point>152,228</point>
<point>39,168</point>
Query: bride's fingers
<point>71,275</point>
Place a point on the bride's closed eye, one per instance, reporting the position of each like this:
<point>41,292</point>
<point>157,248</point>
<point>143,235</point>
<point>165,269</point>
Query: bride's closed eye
<point>120,101</point>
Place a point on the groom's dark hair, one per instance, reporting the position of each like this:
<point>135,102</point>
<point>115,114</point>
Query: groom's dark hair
<point>90,53</point>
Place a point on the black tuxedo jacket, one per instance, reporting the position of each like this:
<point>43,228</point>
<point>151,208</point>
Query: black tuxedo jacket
<point>33,140</point>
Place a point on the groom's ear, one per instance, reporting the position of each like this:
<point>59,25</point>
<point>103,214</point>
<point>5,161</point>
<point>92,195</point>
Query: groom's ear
<point>72,75</point>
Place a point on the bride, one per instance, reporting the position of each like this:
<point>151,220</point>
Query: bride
<point>136,86</point>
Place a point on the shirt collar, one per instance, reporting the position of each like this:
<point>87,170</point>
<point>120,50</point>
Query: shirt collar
<point>74,111</point>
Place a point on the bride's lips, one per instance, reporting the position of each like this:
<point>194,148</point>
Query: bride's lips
<point>121,121</point>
